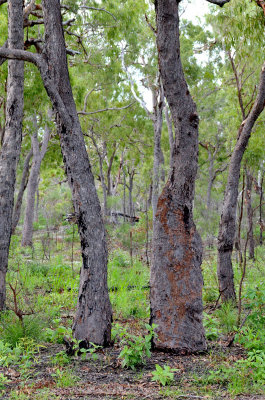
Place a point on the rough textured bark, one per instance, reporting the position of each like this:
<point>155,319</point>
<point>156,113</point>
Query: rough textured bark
<point>170,135</point>
<point>93,315</point>
<point>251,245</point>
<point>10,150</point>
<point>176,278</point>
<point>228,217</point>
<point>22,188</point>
<point>33,183</point>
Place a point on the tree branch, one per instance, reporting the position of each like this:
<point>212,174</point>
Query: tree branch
<point>138,99</point>
<point>219,3</point>
<point>105,109</point>
<point>23,55</point>
<point>99,9</point>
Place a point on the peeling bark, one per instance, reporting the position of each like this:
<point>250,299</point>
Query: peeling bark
<point>10,151</point>
<point>176,278</point>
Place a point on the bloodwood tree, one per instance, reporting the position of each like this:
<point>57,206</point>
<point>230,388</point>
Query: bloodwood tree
<point>176,278</point>
<point>10,151</point>
<point>93,316</point>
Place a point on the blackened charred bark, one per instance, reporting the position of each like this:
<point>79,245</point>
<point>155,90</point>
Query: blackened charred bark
<point>228,217</point>
<point>176,278</point>
<point>22,188</point>
<point>10,150</point>
<point>93,315</point>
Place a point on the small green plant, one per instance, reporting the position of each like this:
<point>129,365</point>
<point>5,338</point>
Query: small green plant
<point>61,359</point>
<point>57,335</point>
<point>164,376</point>
<point>64,378</point>
<point>211,327</point>
<point>136,348</point>
<point>3,381</point>
<point>228,317</point>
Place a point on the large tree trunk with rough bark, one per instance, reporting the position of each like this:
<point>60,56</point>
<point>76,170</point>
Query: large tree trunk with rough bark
<point>228,217</point>
<point>22,188</point>
<point>93,315</point>
<point>176,278</point>
<point>10,150</point>
<point>33,183</point>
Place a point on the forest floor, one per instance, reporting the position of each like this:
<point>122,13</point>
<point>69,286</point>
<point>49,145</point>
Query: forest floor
<point>33,360</point>
<point>104,377</point>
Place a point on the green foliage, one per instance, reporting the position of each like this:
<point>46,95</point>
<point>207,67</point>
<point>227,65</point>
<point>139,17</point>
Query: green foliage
<point>228,317</point>
<point>13,330</point>
<point>211,325</point>
<point>136,348</point>
<point>164,376</point>
<point>65,378</point>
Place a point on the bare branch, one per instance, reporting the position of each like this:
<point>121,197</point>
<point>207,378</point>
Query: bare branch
<point>219,3</point>
<point>138,99</point>
<point>14,54</point>
<point>99,9</point>
<point>105,109</point>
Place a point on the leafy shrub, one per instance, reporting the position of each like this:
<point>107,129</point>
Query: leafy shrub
<point>136,348</point>
<point>211,327</point>
<point>164,376</point>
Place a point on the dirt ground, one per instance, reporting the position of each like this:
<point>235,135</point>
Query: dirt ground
<point>105,379</point>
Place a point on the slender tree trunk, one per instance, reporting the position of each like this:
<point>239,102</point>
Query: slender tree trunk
<point>11,147</point>
<point>176,278</point>
<point>130,188</point>
<point>251,245</point>
<point>211,179</point>
<point>93,315</point>
<point>228,217</point>
<point>33,182</point>
<point>23,185</point>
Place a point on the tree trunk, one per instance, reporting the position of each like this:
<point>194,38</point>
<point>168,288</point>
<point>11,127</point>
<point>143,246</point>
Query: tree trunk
<point>211,179</point>
<point>176,278</point>
<point>170,135</point>
<point>130,188</point>
<point>33,182</point>
<point>251,246</point>
<point>22,188</point>
<point>93,315</point>
<point>228,217</point>
<point>10,150</point>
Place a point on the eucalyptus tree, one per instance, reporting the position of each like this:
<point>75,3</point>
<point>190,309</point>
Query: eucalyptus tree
<point>11,145</point>
<point>176,280</point>
<point>93,316</point>
<point>238,44</point>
